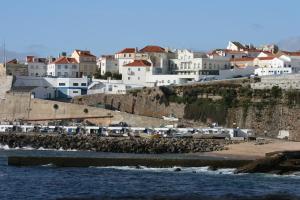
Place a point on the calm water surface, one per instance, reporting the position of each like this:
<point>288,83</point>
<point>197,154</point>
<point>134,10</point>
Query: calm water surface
<point>50,182</point>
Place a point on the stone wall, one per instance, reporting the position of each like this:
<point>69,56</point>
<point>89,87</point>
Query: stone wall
<point>5,83</point>
<point>20,106</point>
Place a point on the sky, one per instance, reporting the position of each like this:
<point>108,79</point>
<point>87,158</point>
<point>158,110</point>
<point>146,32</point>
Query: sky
<point>48,27</point>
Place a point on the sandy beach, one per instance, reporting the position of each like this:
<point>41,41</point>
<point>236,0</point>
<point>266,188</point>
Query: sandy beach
<point>252,150</point>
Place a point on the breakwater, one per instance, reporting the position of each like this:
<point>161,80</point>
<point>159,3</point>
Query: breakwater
<point>112,144</point>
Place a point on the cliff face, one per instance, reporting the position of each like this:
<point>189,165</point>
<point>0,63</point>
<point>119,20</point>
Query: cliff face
<point>148,102</point>
<point>265,111</point>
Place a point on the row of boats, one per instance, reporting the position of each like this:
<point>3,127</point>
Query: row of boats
<point>117,131</point>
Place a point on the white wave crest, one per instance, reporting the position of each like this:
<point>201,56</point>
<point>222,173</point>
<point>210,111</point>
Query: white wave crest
<point>6,147</point>
<point>205,170</point>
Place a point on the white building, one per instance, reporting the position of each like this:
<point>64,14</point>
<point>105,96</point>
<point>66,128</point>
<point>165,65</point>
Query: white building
<point>158,56</point>
<point>269,71</point>
<point>136,72</point>
<point>52,88</point>
<point>108,63</point>
<point>63,67</point>
<point>110,87</point>
<point>36,66</point>
<point>197,64</point>
<point>124,57</point>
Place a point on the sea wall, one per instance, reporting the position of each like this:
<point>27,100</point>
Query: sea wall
<point>20,106</point>
<point>113,144</point>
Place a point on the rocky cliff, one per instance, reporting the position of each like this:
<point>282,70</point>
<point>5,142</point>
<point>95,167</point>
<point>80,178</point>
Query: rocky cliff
<point>228,103</point>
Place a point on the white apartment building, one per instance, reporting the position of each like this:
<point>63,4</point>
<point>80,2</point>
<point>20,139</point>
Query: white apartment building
<point>63,67</point>
<point>125,57</point>
<point>197,64</point>
<point>158,56</point>
<point>136,72</point>
<point>108,63</point>
<point>36,66</point>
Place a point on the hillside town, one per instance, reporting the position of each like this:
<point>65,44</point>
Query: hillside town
<point>81,72</point>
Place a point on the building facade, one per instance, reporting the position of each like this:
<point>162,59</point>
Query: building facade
<point>125,57</point>
<point>63,67</point>
<point>36,66</point>
<point>51,87</point>
<point>108,63</point>
<point>15,68</point>
<point>87,62</point>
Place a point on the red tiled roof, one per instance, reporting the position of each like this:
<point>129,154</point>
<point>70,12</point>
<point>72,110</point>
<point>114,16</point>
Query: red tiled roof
<point>29,59</point>
<point>152,49</point>
<point>241,59</point>
<point>127,50</point>
<point>14,61</point>
<point>139,63</point>
<point>84,53</point>
<point>65,60</point>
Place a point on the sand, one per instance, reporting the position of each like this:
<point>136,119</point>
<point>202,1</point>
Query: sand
<point>250,150</point>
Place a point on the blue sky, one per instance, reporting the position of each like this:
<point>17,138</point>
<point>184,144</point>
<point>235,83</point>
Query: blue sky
<point>47,27</point>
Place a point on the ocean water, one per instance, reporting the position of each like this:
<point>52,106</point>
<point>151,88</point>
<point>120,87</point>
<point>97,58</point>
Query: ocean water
<point>50,182</point>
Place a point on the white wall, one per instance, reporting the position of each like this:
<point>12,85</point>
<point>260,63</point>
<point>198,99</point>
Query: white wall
<point>37,69</point>
<point>267,71</point>
<point>63,70</point>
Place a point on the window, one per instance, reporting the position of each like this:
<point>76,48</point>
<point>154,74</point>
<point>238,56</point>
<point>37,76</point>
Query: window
<point>58,73</point>
<point>58,66</point>
<point>83,84</point>
<point>75,84</point>
<point>74,67</point>
<point>75,92</point>
<point>66,66</point>
<point>61,84</point>
<point>138,78</point>
<point>66,74</point>
<point>128,78</point>
<point>139,69</point>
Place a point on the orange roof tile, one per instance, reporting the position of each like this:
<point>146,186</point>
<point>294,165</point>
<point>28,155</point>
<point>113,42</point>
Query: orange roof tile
<point>139,63</point>
<point>152,49</point>
<point>65,60</point>
<point>29,59</point>
<point>127,50</point>
<point>84,53</point>
<point>14,61</point>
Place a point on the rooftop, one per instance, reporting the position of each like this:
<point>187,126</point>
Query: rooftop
<point>152,49</point>
<point>139,63</point>
<point>84,53</point>
<point>127,50</point>
<point>65,60</point>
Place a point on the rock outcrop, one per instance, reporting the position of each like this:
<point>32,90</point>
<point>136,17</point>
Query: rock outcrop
<point>276,163</point>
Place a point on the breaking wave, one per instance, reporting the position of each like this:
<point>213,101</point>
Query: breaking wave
<point>6,147</point>
<point>205,170</point>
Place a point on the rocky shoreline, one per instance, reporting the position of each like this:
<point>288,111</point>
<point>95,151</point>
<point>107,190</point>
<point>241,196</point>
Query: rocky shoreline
<point>112,144</point>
